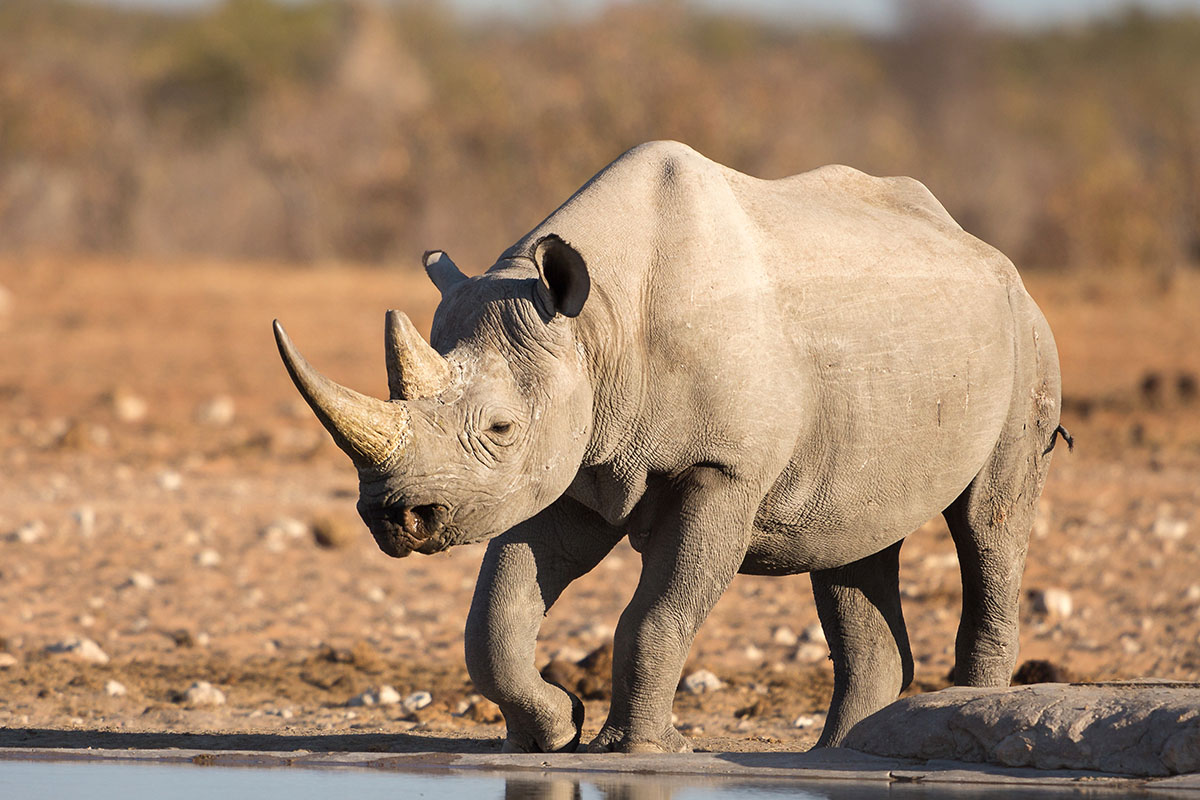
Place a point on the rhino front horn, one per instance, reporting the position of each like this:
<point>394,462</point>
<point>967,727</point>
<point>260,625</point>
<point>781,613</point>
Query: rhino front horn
<point>372,432</point>
<point>415,370</point>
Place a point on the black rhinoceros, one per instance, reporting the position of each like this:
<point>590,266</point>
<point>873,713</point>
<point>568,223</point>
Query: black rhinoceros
<point>740,375</point>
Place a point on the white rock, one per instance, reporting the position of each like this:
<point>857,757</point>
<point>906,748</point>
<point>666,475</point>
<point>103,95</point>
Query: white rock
<point>806,721</point>
<point>594,631</point>
<point>702,681</point>
<point>1193,593</point>
<point>7,660</point>
<point>1051,602</point>
<point>115,689</point>
<point>85,517</point>
<point>79,648</point>
<point>785,636</point>
<point>128,406</point>
<point>217,411</point>
<point>386,696</point>
<point>813,633</point>
<point>277,533</point>
<point>208,558</point>
<point>141,580</point>
<point>1170,529</point>
<point>28,533</point>
<point>169,480</point>
<point>203,693</point>
<point>417,700</point>
<point>376,594</point>
<point>367,698</point>
<point>810,653</point>
<point>752,653</point>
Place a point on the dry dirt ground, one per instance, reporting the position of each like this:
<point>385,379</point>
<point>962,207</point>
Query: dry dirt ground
<point>164,494</point>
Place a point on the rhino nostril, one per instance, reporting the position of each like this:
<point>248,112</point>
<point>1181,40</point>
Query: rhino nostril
<point>421,522</point>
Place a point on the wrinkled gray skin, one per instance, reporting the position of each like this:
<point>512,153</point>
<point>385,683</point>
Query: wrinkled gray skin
<point>766,377</point>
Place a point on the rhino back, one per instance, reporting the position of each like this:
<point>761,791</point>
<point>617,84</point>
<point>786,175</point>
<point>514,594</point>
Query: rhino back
<point>836,338</point>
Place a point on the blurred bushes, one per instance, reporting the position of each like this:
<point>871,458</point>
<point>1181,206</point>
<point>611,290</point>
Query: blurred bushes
<point>335,129</point>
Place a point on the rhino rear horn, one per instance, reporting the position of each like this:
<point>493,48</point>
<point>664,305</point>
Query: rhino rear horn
<point>415,370</point>
<point>372,432</point>
<point>441,270</point>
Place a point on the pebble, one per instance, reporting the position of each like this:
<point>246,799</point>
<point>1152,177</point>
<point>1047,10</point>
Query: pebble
<point>1170,529</point>
<point>382,696</point>
<point>572,655</point>
<point>79,648</point>
<point>85,517</point>
<point>1051,602</point>
<point>805,721</point>
<point>752,653</point>
<point>169,480</point>
<point>813,633</point>
<point>785,636</point>
<point>702,681</point>
<point>277,533</point>
<point>417,700</point>
<point>128,406</point>
<point>203,693</point>
<point>141,580</point>
<point>217,411</point>
<point>7,660</point>
<point>810,653</point>
<point>28,533</point>
<point>594,631</point>
<point>115,689</point>
<point>208,558</point>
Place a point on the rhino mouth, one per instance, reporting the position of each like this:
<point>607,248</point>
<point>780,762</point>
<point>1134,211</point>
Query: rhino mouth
<point>402,529</point>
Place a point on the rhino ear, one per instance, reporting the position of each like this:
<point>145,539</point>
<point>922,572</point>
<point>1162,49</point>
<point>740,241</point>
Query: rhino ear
<point>565,283</point>
<point>441,270</point>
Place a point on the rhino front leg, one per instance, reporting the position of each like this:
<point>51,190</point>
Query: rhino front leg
<point>859,607</point>
<point>687,563</point>
<point>523,573</point>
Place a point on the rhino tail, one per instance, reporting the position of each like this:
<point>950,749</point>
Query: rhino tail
<point>1060,430</point>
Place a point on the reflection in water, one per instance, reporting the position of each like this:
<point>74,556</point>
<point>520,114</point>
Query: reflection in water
<point>96,780</point>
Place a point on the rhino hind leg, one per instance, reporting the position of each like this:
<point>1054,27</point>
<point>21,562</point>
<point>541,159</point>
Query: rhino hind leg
<point>523,573</point>
<point>859,608</point>
<point>990,524</point>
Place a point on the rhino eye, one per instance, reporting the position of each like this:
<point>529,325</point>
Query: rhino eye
<point>501,428</point>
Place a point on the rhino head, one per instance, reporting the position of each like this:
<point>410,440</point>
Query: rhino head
<point>482,431</point>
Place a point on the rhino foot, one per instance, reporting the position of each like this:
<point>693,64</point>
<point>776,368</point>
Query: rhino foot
<point>615,740</point>
<point>561,740</point>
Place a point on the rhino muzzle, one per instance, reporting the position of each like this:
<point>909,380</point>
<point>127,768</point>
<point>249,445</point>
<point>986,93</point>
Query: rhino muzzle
<point>401,529</point>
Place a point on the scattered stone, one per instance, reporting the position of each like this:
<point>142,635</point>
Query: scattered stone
<point>595,631</point>
<point>1052,603</point>
<point>217,411</point>
<point>381,696</point>
<point>376,594</point>
<point>752,653</point>
<point>813,633</point>
<point>7,660</point>
<point>785,636</point>
<point>169,480</point>
<point>277,533</point>
<point>1141,728</point>
<point>28,533</point>
<point>811,653</point>
<point>85,518</point>
<point>806,721</point>
<point>333,533</point>
<point>416,701</point>
<point>208,558</point>
<point>115,689</point>
<point>571,655</point>
<point>128,406</point>
<point>203,694</point>
<point>140,580</point>
<point>1170,528</point>
<point>79,648</point>
<point>702,681</point>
